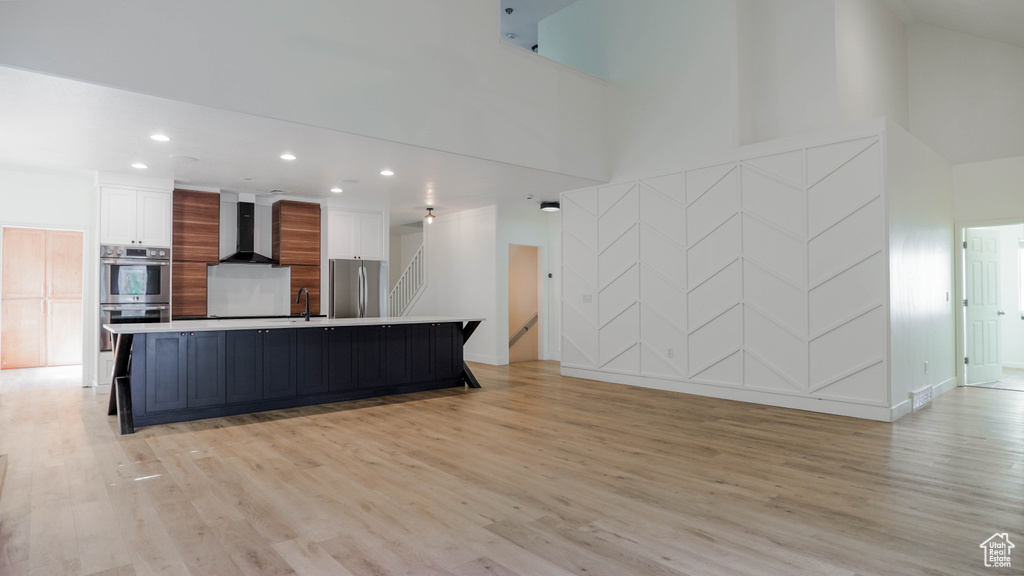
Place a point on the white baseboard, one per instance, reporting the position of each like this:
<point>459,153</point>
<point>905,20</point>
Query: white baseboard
<point>943,387</point>
<point>105,389</point>
<point>1017,365</point>
<point>482,359</point>
<point>902,409</point>
<point>839,408</point>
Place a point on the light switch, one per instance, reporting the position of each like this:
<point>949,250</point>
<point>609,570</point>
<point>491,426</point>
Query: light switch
<point>588,298</point>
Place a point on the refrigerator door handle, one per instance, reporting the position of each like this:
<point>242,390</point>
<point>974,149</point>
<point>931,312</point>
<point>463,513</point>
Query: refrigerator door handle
<point>361,292</point>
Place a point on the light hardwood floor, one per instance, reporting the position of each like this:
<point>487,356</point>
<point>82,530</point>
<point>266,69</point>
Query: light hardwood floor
<point>535,474</point>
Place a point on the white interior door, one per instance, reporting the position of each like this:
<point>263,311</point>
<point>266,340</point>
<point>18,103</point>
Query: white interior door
<point>984,361</point>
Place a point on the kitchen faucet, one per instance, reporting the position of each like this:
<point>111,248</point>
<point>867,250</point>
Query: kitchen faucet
<point>299,295</point>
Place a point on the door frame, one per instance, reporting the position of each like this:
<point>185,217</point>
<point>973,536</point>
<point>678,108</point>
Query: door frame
<point>960,277</point>
<point>542,299</point>
<point>89,319</point>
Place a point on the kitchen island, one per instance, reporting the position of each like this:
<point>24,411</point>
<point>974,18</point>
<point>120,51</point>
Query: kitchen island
<point>188,370</point>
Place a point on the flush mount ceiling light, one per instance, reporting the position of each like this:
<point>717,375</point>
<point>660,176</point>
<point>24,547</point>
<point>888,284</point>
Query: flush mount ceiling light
<point>337,190</point>
<point>287,157</point>
<point>430,216</point>
<point>550,206</point>
<point>139,166</point>
<point>161,138</point>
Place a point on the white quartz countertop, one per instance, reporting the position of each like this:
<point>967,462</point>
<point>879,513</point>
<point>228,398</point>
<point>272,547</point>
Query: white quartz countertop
<point>271,323</point>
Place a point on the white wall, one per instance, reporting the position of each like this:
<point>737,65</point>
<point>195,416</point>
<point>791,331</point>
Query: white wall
<point>991,190</point>
<point>462,278</point>
<point>965,94</point>
<point>432,74</point>
<point>871,62</point>
<point>921,288</point>
<point>760,277</point>
<point>66,200</point>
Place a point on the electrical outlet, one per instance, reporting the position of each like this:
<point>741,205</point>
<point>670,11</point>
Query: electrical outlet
<point>671,353</point>
<point>925,366</point>
<point>588,298</point>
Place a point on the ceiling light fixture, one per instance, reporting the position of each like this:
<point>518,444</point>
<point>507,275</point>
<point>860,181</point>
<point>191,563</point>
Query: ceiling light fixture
<point>287,157</point>
<point>430,216</point>
<point>550,206</point>
<point>387,173</point>
<point>140,166</point>
<point>337,190</point>
<point>161,138</point>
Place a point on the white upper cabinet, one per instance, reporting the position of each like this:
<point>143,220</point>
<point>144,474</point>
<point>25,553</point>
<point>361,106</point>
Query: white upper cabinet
<point>135,217</point>
<point>354,234</point>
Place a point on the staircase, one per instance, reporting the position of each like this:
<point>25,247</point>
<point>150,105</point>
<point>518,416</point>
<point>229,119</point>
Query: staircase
<point>522,330</point>
<point>410,285</point>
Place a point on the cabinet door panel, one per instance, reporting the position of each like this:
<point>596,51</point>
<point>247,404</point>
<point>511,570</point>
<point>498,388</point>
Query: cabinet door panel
<point>341,238</point>
<point>24,263</point>
<point>279,363</point>
<point>397,360</point>
<point>206,368</point>
<point>311,360</point>
<point>421,352</point>
<point>447,350</point>
<point>118,215</point>
<point>23,340</point>
<point>188,289</point>
<point>244,371</point>
<point>341,360</point>
<point>369,347</point>
<point>296,233</point>
<point>154,214</point>
<point>371,237</point>
<point>196,226</point>
<point>307,277</point>
<point>64,264</point>
<point>166,372</point>
<point>64,333</point>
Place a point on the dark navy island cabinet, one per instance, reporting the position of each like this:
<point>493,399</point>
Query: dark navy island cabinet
<point>178,376</point>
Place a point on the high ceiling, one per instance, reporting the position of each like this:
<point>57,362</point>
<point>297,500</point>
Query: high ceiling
<point>51,122</point>
<point>522,22</point>
<point>1000,20</point>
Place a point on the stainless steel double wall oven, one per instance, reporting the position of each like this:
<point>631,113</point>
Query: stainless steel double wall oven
<point>135,287</point>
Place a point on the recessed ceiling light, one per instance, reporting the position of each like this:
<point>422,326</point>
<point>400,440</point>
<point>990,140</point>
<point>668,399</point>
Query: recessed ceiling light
<point>386,173</point>
<point>287,157</point>
<point>161,138</point>
<point>140,166</point>
<point>337,190</point>
<point>248,179</point>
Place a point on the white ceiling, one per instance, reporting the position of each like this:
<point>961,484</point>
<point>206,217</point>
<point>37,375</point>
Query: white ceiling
<point>1000,20</point>
<point>56,123</point>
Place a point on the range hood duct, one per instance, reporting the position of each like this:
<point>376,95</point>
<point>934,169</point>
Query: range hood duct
<point>246,251</point>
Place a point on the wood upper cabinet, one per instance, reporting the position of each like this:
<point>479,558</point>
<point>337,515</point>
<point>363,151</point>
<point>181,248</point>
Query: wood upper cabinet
<point>296,233</point>
<point>188,289</point>
<point>307,277</point>
<point>196,226</point>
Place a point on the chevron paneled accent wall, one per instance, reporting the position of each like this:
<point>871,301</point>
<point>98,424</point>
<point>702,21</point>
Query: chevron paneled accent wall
<point>763,278</point>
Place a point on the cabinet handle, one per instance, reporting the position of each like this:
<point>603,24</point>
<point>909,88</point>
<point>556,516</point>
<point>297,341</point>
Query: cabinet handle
<point>182,333</point>
<point>191,333</point>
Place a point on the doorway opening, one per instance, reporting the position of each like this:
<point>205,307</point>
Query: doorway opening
<point>993,306</point>
<point>523,304</point>
<point>40,297</point>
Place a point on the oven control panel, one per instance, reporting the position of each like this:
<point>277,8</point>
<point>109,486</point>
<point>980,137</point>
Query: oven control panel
<point>133,252</point>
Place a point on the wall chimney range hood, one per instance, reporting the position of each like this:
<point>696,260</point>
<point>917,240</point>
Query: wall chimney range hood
<point>246,250</point>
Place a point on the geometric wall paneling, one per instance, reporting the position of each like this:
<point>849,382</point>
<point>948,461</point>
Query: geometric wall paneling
<point>776,347</point>
<point>758,376</point>
<point>663,255</point>
<point>775,249</point>
<point>578,221</point>
<point>851,240</point>
<point>848,295</point>
<point>575,292</point>
<point>712,208</point>
<point>848,349</point>
<point>701,180</point>
<point>823,160</point>
<point>623,253</point>
<point>789,166</point>
<point>579,339</point>
<point>619,294</point>
<point>727,371</point>
<point>715,340</point>
<point>867,386</point>
<point>775,298</point>
<point>658,336</point>
<point>713,253</point>
<point>580,258</point>
<point>663,214</point>
<point>715,295</point>
<point>663,297</point>
<point>608,196</point>
<point>846,189</point>
<point>671,186</point>
<point>620,217</point>
<point>619,335</point>
<point>626,362</point>
<point>772,200</point>
<point>586,199</point>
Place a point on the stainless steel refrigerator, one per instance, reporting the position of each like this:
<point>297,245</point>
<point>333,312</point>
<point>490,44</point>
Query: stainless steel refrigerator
<point>357,289</point>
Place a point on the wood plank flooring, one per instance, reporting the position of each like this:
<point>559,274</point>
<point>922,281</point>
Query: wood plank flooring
<point>535,474</point>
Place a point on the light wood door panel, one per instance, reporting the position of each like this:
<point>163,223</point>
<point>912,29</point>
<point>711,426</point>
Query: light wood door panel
<point>64,333</point>
<point>24,263</point>
<point>23,339</point>
<point>64,264</point>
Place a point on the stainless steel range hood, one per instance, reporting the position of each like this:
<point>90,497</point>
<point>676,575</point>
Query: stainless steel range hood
<point>246,248</point>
